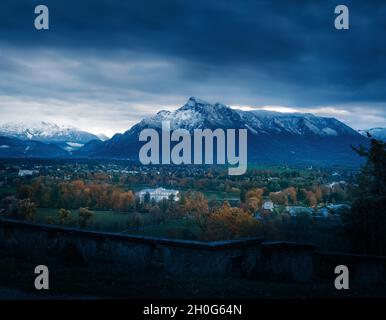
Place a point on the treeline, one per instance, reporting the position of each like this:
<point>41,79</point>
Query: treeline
<point>100,195</point>
<point>215,180</point>
<point>218,221</point>
<point>254,198</point>
<point>76,194</point>
<point>215,220</point>
<point>311,197</point>
<point>221,221</point>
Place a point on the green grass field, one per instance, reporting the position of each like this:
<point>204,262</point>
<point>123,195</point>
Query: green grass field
<point>222,196</point>
<point>111,221</point>
<point>100,220</point>
<point>7,191</point>
<point>183,228</point>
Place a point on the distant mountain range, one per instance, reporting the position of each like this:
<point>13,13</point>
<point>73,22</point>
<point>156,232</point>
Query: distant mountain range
<point>16,148</point>
<point>273,138</point>
<point>377,133</point>
<point>67,138</point>
<point>44,131</point>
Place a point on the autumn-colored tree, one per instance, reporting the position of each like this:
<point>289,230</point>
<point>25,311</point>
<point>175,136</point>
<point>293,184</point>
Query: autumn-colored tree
<point>230,222</point>
<point>122,201</point>
<point>310,197</point>
<point>64,214</point>
<point>77,193</point>
<point>126,201</point>
<point>279,197</point>
<point>196,205</point>
<point>115,199</point>
<point>254,199</point>
<point>318,193</point>
<point>84,216</point>
<point>27,209</point>
<point>291,193</point>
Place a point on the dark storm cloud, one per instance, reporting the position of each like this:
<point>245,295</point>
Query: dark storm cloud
<point>239,52</point>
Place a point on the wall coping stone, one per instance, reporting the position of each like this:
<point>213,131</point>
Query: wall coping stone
<point>352,256</point>
<point>285,245</point>
<point>210,245</point>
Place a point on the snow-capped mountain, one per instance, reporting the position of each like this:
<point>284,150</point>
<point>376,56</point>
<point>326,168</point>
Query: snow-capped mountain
<point>272,137</point>
<point>377,133</point>
<point>263,122</point>
<point>197,113</point>
<point>45,132</point>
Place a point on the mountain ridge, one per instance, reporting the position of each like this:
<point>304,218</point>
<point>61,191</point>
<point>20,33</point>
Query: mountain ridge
<point>44,131</point>
<point>273,137</point>
<point>377,133</point>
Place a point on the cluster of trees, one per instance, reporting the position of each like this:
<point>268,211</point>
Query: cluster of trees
<point>76,194</point>
<point>310,197</point>
<point>253,199</point>
<point>272,180</point>
<point>65,217</point>
<point>229,222</point>
<point>23,209</point>
<point>285,197</point>
<point>219,222</point>
<point>222,221</point>
<point>196,205</point>
<point>215,220</point>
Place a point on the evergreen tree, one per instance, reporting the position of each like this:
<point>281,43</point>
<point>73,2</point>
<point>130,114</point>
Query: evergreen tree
<point>366,222</point>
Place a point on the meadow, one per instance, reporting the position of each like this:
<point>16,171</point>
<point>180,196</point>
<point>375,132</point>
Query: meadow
<point>112,221</point>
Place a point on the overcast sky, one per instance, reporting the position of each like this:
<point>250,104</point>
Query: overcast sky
<point>105,64</point>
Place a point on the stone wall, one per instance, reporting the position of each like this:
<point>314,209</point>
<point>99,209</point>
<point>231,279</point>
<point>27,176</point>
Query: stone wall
<point>363,269</point>
<point>286,261</point>
<point>253,258</point>
<point>221,258</point>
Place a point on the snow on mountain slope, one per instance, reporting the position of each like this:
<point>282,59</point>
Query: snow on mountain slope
<point>261,121</point>
<point>102,137</point>
<point>197,114</point>
<point>272,137</point>
<point>45,132</point>
<point>377,133</point>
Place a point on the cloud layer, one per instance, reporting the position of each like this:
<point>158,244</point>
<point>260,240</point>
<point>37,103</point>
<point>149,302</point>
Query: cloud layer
<point>105,64</point>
